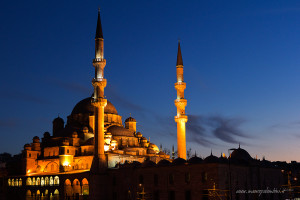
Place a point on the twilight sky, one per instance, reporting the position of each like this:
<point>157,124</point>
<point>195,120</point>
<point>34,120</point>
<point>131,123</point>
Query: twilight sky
<point>241,59</point>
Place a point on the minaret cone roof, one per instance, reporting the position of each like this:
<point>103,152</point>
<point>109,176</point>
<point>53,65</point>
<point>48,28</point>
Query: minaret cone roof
<point>99,33</point>
<point>179,56</point>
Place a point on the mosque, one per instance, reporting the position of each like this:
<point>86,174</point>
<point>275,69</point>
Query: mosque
<point>94,156</point>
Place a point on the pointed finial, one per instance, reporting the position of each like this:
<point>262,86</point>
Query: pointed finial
<point>99,9</point>
<point>99,33</point>
<point>239,145</point>
<point>195,153</point>
<point>211,152</point>
<point>130,114</point>
<point>179,56</point>
<point>58,115</point>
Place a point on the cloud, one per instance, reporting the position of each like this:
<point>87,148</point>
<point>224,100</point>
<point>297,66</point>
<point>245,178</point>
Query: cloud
<point>226,129</point>
<point>196,131</point>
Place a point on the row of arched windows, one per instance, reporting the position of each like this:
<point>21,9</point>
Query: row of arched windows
<point>15,182</point>
<point>37,181</point>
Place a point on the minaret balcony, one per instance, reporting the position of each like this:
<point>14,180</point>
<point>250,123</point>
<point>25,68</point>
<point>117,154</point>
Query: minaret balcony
<point>180,103</point>
<point>181,118</point>
<point>180,86</point>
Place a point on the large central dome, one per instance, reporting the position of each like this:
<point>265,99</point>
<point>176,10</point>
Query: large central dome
<point>85,107</point>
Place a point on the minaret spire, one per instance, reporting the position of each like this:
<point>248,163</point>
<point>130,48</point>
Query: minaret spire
<point>179,56</point>
<point>99,33</point>
<point>180,104</point>
<point>98,100</point>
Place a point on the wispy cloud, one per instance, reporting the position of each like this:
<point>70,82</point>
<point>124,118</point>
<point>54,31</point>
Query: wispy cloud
<point>226,129</point>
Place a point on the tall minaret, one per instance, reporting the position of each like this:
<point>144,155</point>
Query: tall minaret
<point>180,104</point>
<point>98,100</point>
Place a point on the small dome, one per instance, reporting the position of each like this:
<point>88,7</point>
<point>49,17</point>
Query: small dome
<point>153,147</point>
<point>85,129</point>
<point>74,134</point>
<point>144,140</point>
<point>148,163</point>
<point>27,147</point>
<point>130,119</point>
<point>90,141</point>
<point>58,120</point>
<point>163,162</point>
<point>136,164</point>
<point>36,139</point>
<point>46,135</point>
<point>195,160</point>
<point>179,161</point>
<point>85,107</point>
<point>139,135</point>
<point>65,142</point>
<point>241,155</point>
<point>211,159</point>
<point>120,131</point>
<point>161,153</point>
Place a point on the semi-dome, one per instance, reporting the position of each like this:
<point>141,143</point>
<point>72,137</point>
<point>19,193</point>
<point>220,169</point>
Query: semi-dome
<point>85,107</point>
<point>120,131</point>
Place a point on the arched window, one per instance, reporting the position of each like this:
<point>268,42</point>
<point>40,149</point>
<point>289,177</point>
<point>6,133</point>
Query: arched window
<point>38,181</point>
<point>33,181</point>
<point>9,182</point>
<point>51,180</point>
<point>12,182</point>
<point>85,181</point>
<point>76,182</point>
<point>28,193</point>
<point>38,193</point>
<point>28,181</point>
<point>20,182</point>
<point>46,192</point>
<point>67,182</point>
<point>42,181</point>
<point>56,192</point>
<point>46,181</point>
<point>85,187</point>
<point>56,180</point>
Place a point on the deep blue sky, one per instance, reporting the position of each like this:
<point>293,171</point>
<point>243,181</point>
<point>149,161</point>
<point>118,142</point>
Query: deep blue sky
<point>241,59</point>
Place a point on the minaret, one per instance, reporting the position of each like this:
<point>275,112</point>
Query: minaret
<point>180,104</point>
<point>98,100</point>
